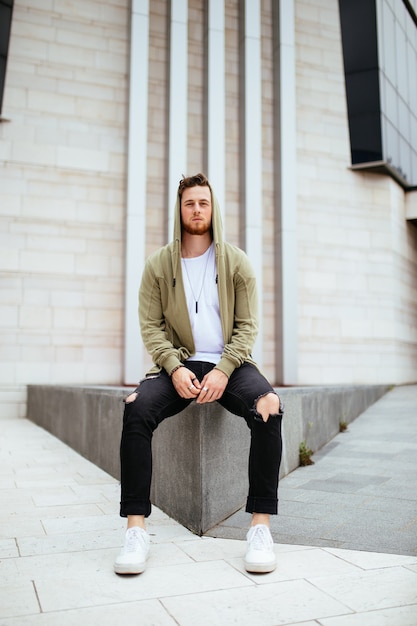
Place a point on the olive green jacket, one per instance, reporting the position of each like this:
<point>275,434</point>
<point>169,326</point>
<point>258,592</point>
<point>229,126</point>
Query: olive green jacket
<point>163,314</point>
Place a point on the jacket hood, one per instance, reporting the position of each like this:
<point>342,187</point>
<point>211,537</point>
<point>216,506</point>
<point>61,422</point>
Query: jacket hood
<point>216,225</point>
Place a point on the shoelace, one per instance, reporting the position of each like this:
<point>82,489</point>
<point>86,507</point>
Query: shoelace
<point>133,539</point>
<point>260,539</point>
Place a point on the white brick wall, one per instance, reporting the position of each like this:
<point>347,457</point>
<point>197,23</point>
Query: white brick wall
<point>62,182</point>
<point>357,254</point>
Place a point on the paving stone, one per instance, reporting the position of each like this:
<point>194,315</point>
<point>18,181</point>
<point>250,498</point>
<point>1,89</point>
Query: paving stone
<point>360,492</point>
<point>343,558</point>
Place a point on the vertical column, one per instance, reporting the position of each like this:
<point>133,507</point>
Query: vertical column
<point>252,149</point>
<point>285,177</point>
<point>216,142</point>
<point>136,186</point>
<point>178,102</point>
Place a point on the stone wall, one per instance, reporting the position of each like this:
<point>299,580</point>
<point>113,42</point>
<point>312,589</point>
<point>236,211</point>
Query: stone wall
<point>200,456</point>
<point>62,196</point>
<point>357,254</point>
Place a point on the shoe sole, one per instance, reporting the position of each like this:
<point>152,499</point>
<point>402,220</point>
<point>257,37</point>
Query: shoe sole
<point>130,569</point>
<point>260,568</point>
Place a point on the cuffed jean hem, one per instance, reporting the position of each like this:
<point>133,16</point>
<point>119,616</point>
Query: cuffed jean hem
<point>262,505</point>
<point>138,507</point>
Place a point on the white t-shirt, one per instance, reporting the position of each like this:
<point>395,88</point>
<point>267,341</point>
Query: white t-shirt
<point>199,278</point>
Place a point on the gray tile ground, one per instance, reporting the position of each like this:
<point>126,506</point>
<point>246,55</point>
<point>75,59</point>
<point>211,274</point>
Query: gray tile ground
<point>60,532</point>
<point>361,492</point>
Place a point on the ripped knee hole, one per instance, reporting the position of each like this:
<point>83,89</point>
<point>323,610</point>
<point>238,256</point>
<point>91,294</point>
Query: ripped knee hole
<point>132,397</point>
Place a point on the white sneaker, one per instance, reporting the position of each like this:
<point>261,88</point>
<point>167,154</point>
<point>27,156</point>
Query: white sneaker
<point>260,555</point>
<point>132,558</point>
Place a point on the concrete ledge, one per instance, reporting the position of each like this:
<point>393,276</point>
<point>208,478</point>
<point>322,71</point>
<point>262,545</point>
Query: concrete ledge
<point>314,415</point>
<point>201,454</point>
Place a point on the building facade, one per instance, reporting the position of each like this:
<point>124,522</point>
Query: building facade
<point>107,104</point>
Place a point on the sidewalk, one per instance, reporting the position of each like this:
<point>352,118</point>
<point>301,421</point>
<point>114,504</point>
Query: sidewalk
<point>60,531</point>
<point>361,492</point>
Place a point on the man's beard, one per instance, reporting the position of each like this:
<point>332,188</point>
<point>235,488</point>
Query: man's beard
<point>197,228</point>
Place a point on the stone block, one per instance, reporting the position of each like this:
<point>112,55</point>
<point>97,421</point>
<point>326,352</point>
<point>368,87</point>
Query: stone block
<point>200,456</point>
<point>200,459</point>
<point>292,431</point>
<point>88,419</point>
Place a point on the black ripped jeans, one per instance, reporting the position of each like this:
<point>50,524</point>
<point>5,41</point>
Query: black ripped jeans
<point>157,399</point>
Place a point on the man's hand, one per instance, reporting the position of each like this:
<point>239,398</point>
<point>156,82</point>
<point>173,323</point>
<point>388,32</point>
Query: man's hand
<point>212,386</point>
<point>185,382</point>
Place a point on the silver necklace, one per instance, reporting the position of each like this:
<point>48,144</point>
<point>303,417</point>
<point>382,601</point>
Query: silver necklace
<point>196,300</point>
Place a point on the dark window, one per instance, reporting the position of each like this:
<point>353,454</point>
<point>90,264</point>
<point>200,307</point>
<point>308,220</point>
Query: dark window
<point>6,10</point>
<point>379,42</point>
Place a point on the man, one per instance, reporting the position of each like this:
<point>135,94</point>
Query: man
<point>198,319</point>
